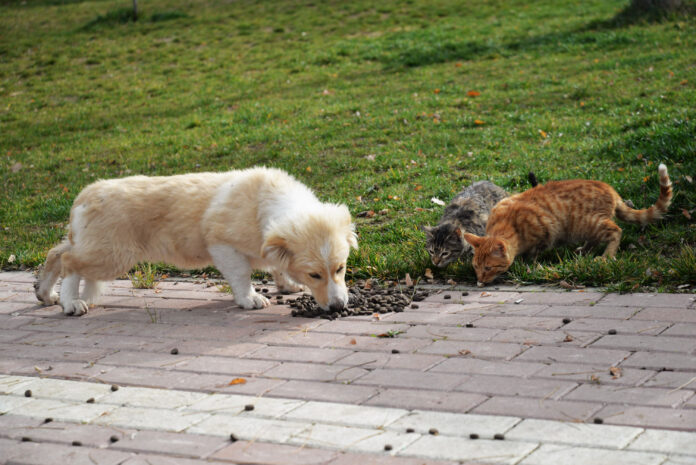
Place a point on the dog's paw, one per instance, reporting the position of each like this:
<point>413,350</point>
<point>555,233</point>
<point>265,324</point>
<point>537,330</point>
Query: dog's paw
<point>253,301</point>
<point>47,298</point>
<point>75,307</point>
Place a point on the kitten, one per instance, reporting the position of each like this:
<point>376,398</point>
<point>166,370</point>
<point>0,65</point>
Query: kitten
<point>467,212</point>
<point>560,211</point>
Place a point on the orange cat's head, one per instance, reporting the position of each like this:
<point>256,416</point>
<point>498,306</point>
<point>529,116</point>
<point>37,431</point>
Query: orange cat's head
<point>491,257</point>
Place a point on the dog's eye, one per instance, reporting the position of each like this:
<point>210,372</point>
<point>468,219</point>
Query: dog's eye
<point>340,268</point>
<point>315,275</point>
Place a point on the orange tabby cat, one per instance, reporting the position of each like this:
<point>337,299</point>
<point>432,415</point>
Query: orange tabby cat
<point>560,211</point>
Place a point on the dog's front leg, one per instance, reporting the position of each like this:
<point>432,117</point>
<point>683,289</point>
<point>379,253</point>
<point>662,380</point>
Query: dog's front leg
<point>236,269</point>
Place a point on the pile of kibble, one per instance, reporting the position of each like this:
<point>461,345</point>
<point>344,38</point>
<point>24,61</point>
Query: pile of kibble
<point>361,301</point>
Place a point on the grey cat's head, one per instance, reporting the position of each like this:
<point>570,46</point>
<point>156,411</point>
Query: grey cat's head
<point>444,243</point>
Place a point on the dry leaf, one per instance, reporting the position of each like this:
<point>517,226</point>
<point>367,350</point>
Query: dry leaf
<point>370,157</point>
<point>568,338</point>
<point>479,122</point>
<point>376,316</point>
<point>384,211</point>
<point>464,352</point>
<point>688,178</point>
<point>237,381</point>
<point>353,342</point>
<point>451,282</point>
<point>368,284</point>
<point>458,64</point>
<point>327,92</point>
<point>408,280</point>
<point>566,285</point>
<point>16,167</point>
<point>473,93</point>
<point>616,372</point>
<point>485,294</point>
<point>543,134</point>
<point>594,379</point>
<point>11,258</point>
<point>437,91</point>
<point>309,169</point>
<point>437,201</point>
<point>428,273</point>
<point>686,213</point>
<point>418,187</point>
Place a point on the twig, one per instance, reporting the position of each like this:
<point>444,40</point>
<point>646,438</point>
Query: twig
<point>683,385</point>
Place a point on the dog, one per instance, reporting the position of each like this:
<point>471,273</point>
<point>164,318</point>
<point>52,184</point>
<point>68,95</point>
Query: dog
<point>258,218</point>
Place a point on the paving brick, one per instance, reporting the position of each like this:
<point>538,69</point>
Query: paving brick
<point>535,337</point>
<point>149,418</point>
<point>212,347</point>
<point>382,344</point>
<point>603,325</point>
<point>75,354</point>
<point>573,355</point>
<point>427,400</point>
<point>646,300</point>
<point>460,425</point>
<point>299,354</point>
<point>595,311</point>
<point>594,374</point>
<point>509,386</point>
<point>678,315</point>
<point>299,338</point>
<point>260,453</point>
<point>235,404</point>
<point>186,445</point>
<point>480,296</point>
<point>549,454</point>
<point>681,329</point>
<point>622,395</point>
<point>31,453</point>
<point>346,414</point>
<point>11,424</point>
<point>120,342</point>
<point>315,372</point>
<point>445,319</point>
<point>512,309</point>
<point>487,367</point>
<point>149,459</point>
<point>153,398</point>
<point>455,333</point>
<point>371,360</point>
<point>577,434</point>
<point>61,411</point>
<point>669,442</point>
<point>647,343</point>
<point>14,384</point>
<point>529,322</point>
<point>649,417</point>
<point>248,428</point>
<point>673,379</point>
<point>411,379</point>
<point>481,450</point>
<point>374,459</point>
<point>352,438</point>
<point>13,335</point>
<point>14,322</point>
<point>66,433</point>
<point>563,410</point>
<point>486,350</point>
<point>225,365</point>
<point>8,403</point>
<point>324,391</point>
<point>66,390</point>
<point>661,360</point>
<point>346,326</point>
<point>579,297</point>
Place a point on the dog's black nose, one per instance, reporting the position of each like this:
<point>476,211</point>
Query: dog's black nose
<point>336,307</point>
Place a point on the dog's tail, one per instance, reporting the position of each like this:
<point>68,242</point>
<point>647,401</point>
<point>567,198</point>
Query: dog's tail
<point>655,212</point>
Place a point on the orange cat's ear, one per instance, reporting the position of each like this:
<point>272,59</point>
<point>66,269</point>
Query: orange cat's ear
<point>499,250</point>
<point>473,239</point>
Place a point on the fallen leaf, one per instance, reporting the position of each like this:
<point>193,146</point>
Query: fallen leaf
<point>464,352</point>
<point>639,156</point>
<point>408,280</point>
<point>594,379</point>
<point>684,82</point>
<point>437,91</point>
<point>16,167</point>
<point>376,316</point>
<point>473,93</point>
<point>418,187</point>
<point>309,169</point>
<point>370,157</point>
<point>485,294</point>
<point>451,282</point>
<point>366,214</point>
<point>543,134</point>
<point>568,338</point>
<point>11,258</point>
<point>458,64</point>
<point>686,213</point>
<point>368,284</point>
<point>566,285</point>
<point>478,122</point>
<point>237,381</point>
<point>428,273</point>
<point>437,201</point>
<point>353,342</point>
<point>688,178</point>
<point>620,169</point>
<point>327,92</point>
<point>616,372</point>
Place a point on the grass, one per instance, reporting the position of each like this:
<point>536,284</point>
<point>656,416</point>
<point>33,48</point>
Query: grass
<point>369,105</point>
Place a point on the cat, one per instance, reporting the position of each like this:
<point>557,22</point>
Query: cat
<point>467,212</point>
<point>559,211</point>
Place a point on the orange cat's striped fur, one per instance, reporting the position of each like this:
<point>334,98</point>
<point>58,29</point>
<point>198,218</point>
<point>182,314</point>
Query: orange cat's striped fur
<point>561,211</point>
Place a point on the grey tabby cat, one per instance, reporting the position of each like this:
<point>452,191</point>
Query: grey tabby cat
<point>467,212</point>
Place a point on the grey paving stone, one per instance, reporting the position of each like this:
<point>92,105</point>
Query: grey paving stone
<point>647,343</point>
<point>487,367</point>
<point>326,391</point>
<point>649,417</point>
<point>576,434</point>
<point>370,360</point>
<point>661,360</point>
<point>32,453</point>
<point>485,350</point>
<point>549,454</point>
<point>563,410</point>
<point>411,379</point>
<point>595,311</point>
<point>604,325</point>
<point>677,315</point>
<point>594,374</point>
<point>660,397</point>
<point>315,372</point>
<point>482,450</point>
<point>573,355</point>
<point>18,427</point>
<point>510,386</point>
<point>455,333</point>
<point>299,354</point>
<point>665,441</point>
<point>345,414</point>
<point>460,402</point>
<point>647,300</point>
<point>259,453</point>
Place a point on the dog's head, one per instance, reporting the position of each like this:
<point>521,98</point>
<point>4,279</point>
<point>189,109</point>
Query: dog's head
<point>312,249</point>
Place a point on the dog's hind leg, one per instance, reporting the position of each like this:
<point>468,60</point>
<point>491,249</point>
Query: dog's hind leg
<point>92,290</point>
<point>69,296</point>
<point>236,269</point>
<point>50,273</point>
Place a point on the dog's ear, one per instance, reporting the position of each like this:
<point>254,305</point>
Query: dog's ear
<point>276,250</point>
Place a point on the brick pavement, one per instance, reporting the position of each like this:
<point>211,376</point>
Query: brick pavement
<point>554,363</point>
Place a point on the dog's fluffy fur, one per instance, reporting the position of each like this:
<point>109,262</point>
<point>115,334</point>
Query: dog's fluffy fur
<point>259,218</point>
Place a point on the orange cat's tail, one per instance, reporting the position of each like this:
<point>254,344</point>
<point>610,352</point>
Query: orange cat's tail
<point>654,213</point>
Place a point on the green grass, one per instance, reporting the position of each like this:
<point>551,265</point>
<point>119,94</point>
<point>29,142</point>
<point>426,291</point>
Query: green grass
<point>316,87</point>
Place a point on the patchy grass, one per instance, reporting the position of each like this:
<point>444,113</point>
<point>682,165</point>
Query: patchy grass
<point>144,276</point>
<point>369,105</point>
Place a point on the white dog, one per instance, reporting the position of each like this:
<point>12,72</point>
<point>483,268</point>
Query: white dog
<point>259,218</point>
